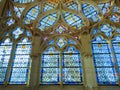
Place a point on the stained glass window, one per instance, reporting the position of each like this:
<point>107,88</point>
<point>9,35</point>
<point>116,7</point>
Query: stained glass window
<point>5,53</point>
<point>21,62</point>
<point>116,48</point>
<point>32,14</point>
<point>18,10</point>
<point>48,21</point>
<point>50,66</point>
<point>48,6</point>
<point>23,1</point>
<point>73,20</point>
<point>72,5</point>
<point>58,67</point>
<point>91,12</point>
<point>72,72</point>
<point>104,62</point>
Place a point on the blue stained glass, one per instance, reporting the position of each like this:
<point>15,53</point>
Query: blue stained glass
<point>103,60</point>
<point>118,30</point>
<point>2,75</point>
<point>50,75</point>
<point>21,63</point>
<point>90,12</point>
<point>19,76</point>
<point>99,39</point>
<point>72,75</point>
<point>71,42</point>
<point>116,47</point>
<point>106,76</point>
<point>10,22</point>
<point>32,14</point>
<point>72,5</point>
<point>107,29</point>
<point>61,42</point>
<point>18,11</point>
<point>116,9</point>
<point>22,1</point>
<point>94,31</point>
<point>73,20</point>
<point>50,60</point>
<point>17,32</point>
<point>48,21</point>
<point>5,51</point>
<point>105,7</point>
<point>51,42</point>
<point>118,59</point>
<point>48,6</point>
<point>115,18</point>
<point>51,50</point>
<point>28,34</point>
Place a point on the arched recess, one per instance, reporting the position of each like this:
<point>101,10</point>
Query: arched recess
<point>15,50</point>
<point>105,46</point>
<point>61,61</point>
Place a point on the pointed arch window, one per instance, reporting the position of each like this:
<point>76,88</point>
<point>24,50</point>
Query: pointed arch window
<point>104,62</point>
<point>5,53</point>
<point>61,64</point>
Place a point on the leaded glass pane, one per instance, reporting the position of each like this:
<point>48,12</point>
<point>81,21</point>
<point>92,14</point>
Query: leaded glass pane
<point>47,21</point>
<point>10,21</point>
<point>19,76</point>
<point>32,14</point>
<point>107,29</point>
<point>23,1</point>
<point>50,66</point>
<point>72,5</point>
<point>105,7</point>
<point>106,76</point>
<point>72,75</point>
<point>73,20</point>
<point>17,32</point>
<point>103,59</point>
<point>61,42</point>
<point>48,6</point>
<point>5,51</point>
<point>18,10</point>
<point>50,75</point>
<point>21,63</point>
<point>115,18</point>
<point>90,12</point>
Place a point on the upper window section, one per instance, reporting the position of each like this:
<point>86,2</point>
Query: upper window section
<point>72,5</point>
<point>48,6</point>
<point>73,20</point>
<point>91,12</point>
<point>22,1</point>
<point>32,14</point>
<point>48,21</point>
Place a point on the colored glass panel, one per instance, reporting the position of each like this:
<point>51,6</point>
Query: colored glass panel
<point>103,61</point>
<point>115,18</point>
<point>72,72</point>
<point>17,32</point>
<point>22,1</point>
<point>61,42</point>
<point>10,22</point>
<point>5,52</point>
<point>73,20</point>
<point>105,7</point>
<point>32,14</point>
<point>21,63</point>
<point>90,12</point>
<point>47,21</point>
<point>48,6</point>
<point>50,66</point>
<point>72,5</point>
<point>18,10</point>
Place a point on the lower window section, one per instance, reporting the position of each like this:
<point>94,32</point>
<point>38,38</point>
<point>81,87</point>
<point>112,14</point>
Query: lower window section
<point>107,76</point>
<point>19,76</point>
<point>2,74</point>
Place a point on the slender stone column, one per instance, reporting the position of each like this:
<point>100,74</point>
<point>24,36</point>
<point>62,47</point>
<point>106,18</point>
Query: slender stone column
<point>88,64</point>
<point>2,6</point>
<point>35,64</point>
